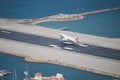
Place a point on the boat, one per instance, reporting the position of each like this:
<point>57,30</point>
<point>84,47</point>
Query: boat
<point>38,76</point>
<point>4,72</point>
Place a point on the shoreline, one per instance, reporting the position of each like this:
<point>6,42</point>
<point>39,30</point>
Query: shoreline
<point>29,59</point>
<point>34,60</point>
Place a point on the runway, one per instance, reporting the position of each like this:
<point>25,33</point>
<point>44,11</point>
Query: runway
<point>56,43</point>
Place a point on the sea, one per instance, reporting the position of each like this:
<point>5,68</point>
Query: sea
<point>19,65</point>
<point>102,24</point>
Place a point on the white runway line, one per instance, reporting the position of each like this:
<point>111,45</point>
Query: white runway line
<point>54,46</point>
<point>68,48</point>
<point>83,45</point>
<point>3,31</point>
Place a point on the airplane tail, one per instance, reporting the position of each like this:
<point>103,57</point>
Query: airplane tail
<point>77,39</point>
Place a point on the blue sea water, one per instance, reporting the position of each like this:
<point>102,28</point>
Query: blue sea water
<point>104,24</point>
<point>12,63</point>
<point>40,8</point>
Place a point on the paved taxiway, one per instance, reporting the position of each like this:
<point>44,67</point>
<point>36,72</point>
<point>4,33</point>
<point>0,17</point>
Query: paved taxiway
<point>56,43</point>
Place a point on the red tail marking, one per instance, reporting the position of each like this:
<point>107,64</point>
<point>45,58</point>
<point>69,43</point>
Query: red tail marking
<point>77,39</point>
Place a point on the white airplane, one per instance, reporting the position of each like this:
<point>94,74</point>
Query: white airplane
<point>68,40</point>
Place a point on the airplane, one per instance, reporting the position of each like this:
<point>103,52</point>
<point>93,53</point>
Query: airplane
<point>68,40</point>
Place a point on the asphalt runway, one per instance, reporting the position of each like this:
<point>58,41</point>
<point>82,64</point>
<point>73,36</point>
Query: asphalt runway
<point>56,43</point>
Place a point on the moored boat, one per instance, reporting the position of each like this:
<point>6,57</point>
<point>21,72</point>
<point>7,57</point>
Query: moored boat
<point>38,76</point>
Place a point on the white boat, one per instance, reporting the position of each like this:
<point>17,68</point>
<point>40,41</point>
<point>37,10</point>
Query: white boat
<point>38,76</point>
<point>4,72</point>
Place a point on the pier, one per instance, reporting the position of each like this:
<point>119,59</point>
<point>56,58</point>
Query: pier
<point>99,11</point>
<point>69,17</point>
<point>38,53</point>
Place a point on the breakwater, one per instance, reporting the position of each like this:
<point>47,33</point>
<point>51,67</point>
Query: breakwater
<point>60,17</point>
<point>69,17</point>
<point>99,11</point>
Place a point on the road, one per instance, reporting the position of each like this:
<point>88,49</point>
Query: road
<point>56,43</point>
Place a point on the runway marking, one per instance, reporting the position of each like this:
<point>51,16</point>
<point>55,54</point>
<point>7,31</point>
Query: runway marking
<point>54,46</point>
<point>3,31</point>
<point>68,48</point>
<point>83,45</point>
